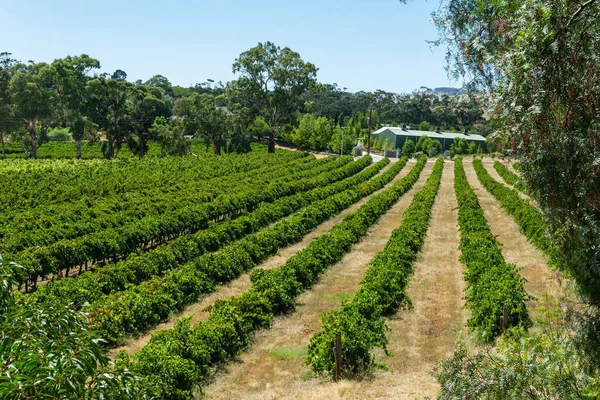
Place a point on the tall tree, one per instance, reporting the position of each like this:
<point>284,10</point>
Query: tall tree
<point>161,82</point>
<point>202,115</point>
<point>7,121</point>
<point>70,79</point>
<point>540,60</point>
<point>34,99</point>
<point>274,79</point>
<point>108,107</point>
<point>146,105</point>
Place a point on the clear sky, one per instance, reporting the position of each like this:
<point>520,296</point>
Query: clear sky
<point>358,44</point>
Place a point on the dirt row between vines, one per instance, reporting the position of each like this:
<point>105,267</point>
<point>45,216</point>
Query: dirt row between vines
<point>541,279</point>
<point>273,367</point>
<point>242,283</point>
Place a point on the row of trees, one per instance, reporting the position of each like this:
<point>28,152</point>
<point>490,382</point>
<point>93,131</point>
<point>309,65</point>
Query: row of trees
<point>276,93</point>
<point>444,111</point>
<point>36,97</point>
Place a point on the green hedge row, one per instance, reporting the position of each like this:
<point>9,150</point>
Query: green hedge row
<point>493,286</point>
<point>360,321</point>
<point>530,219</point>
<point>509,177</point>
<point>141,307</point>
<point>115,242</point>
<point>174,361</point>
<point>92,286</point>
<point>45,225</point>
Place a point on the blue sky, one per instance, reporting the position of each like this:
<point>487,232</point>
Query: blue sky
<point>358,44</point>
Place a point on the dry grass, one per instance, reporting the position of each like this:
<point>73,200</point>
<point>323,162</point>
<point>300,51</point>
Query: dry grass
<point>262,373</point>
<point>541,279</point>
<point>426,334</point>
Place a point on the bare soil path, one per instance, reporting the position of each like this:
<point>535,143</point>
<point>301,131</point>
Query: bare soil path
<point>541,279</point>
<point>273,367</point>
<point>426,334</point>
<point>242,283</point>
<point>314,153</point>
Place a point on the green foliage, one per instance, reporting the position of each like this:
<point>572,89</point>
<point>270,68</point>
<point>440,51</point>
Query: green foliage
<point>425,126</point>
<point>408,149</point>
<point>59,134</point>
<point>434,148</point>
<point>312,132</point>
<point>342,135</point>
<point>460,146</point>
<point>139,267</point>
<point>428,146</point>
<point>50,352</point>
<point>170,136</point>
<point>202,116</point>
<point>509,177</point>
<point>542,364</point>
<point>493,286</point>
<point>231,322</point>
<point>530,219</point>
<point>202,272</point>
<point>98,233</point>
<point>272,81</point>
<point>360,321</point>
<point>259,127</point>
<point>472,148</point>
<point>539,59</point>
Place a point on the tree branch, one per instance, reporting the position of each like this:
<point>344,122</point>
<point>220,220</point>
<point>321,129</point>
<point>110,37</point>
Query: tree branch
<point>580,10</point>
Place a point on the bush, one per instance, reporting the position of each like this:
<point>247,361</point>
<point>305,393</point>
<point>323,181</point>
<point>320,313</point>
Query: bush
<point>425,126</point>
<point>408,149</point>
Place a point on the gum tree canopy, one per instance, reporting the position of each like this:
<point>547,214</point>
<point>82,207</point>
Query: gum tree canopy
<point>273,79</point>
<point>541,60</point>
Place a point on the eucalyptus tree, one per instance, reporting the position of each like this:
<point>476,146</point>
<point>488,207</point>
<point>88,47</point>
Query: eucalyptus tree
<point>70,80</point>
<point>34,99</point>
<point>203,115</point>
<point>161,82</point>
<point>171,136</point>
<point>7,119</point>
<point>146,104</point>
<point>109,108</point>
<point>274,79</point>
<point>540,60</point>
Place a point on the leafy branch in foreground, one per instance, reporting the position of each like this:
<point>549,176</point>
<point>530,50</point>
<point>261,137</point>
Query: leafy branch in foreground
<point>50,352</point>
<point>542,364</point>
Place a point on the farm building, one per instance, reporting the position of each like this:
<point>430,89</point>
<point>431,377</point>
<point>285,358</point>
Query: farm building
<point>397,136</point>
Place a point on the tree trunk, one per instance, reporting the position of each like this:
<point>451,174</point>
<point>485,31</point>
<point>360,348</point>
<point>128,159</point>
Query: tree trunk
<point>110,153</point>
<point>34,146</point>
<point>142,145</point>
<point>216,148</point>
<point>272,140</point>
<point>34,139</point>
<point>78,147</point>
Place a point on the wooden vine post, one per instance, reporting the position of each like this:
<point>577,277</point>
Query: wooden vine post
<point>504,320</point>
<point>337,351</point>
